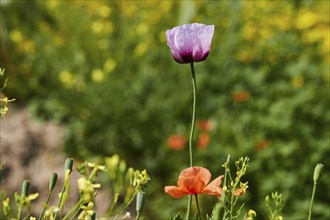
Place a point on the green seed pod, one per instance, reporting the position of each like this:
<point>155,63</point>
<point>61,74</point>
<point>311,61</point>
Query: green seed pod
<point>25,188</point>
<point>139,201</point>
<point>68,164</point>
<point>53,181</point>
<point>317,172</point>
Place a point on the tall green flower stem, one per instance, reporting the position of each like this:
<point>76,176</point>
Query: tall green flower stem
<point>193,119</point>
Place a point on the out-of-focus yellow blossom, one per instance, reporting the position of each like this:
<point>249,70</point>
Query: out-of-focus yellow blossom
<point>103,44</point>
<point>142,28</point>
<point>97,27</point>
<point>284,23</point>
<point>250,31</point>
<point>108,27</point>
<point>16,36</point>
<point>315,35</point>
<point>166,6</point>
<point>297,81</point>
<point>109,65</point>
<point>27,46</point>
<point>67,78</point>
<point>33,218</point>
<point>104,11</point>
<point>140,49</point>
<point>306,19</point>
<point>52,5</point>
<point>97,75</point>
<point>100,27</point>
<point>127,8</point>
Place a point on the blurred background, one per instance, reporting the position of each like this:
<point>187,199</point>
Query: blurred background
<point>101,71</point>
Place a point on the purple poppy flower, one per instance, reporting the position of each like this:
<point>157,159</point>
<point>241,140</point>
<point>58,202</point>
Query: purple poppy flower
<point>190,42</point>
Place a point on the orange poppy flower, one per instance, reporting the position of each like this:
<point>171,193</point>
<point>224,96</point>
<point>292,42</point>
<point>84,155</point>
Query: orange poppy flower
<point>203,140</point>
<point>261,145</point>
<point>241,96</point>
<point>205,125</point>
<point>176,142</point>
<point>193,180</point>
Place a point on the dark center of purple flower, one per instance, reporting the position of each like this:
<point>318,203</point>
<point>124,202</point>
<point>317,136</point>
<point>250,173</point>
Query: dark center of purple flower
<point>187,57</point>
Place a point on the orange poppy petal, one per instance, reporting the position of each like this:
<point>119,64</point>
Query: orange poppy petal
<point>214,187</point>
<point>175,191</point>
<point>194,179</point>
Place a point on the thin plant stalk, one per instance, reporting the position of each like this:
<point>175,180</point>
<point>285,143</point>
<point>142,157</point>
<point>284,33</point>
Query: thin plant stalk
<point>198,209</point>
<point>73,212</point>
<point>223,198</point>
<point>193,119</point>
<point>189,207</point>
<point>312,201</point>
<point>47,201</point>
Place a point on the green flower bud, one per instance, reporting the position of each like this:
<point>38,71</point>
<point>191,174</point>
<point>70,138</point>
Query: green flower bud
<point>53,181</point>
<point>317,172</point>
<point>25,188</point>
<point>68,164</point>
<point>140,201</point>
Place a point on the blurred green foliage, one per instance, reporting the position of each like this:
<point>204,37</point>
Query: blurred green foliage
<point>104,70</point>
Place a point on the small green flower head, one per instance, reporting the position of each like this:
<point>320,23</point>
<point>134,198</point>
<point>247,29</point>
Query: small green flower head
<point>138,179</point>
<point>68,164</point>
<point>317,172</point>
<point>87,211</point>
<point>95,165</point>
<point>50,212</point>
<point>6,206</point>
<point>53,181</point>
<point>112,161</point>
<point>25,188</point>
<point>86,186</point>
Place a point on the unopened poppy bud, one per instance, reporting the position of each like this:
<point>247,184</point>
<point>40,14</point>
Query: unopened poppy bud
<point>53,181</point>
<point>68,164</point>
<point>139,201</point>
<point>25,188</point>
<point>317,172</point>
